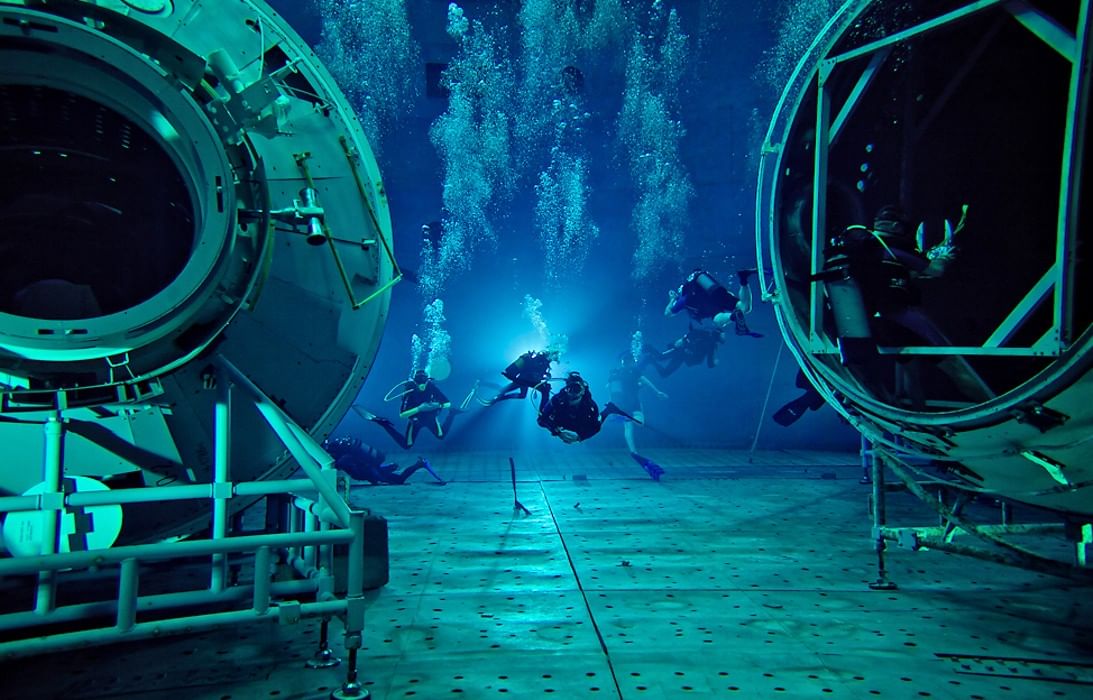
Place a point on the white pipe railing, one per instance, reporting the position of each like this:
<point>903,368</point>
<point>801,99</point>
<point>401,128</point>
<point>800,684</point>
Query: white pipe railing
<point>326,521</point>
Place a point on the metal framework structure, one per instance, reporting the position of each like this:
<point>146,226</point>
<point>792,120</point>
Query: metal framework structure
<point>1001,445</point>
<point>948,499</point>
<point>1057,282</point>
<point>321,519</point>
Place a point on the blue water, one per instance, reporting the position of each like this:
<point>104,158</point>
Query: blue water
<point>625,231</point>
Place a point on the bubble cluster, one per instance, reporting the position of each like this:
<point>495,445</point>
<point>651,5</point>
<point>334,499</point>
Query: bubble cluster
<point>473,140</point>
<point>637,345</point>
<point>550,36</point>
<point>432,351</point>
<point>417,353</point>
<point>368,48</point>
<point>555,38</point>
<point>799,21</point>
<point>533,311</point>
<point>651,133</point>
<point>565,229</point>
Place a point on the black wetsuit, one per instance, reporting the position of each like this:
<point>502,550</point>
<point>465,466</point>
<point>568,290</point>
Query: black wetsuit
<point>365,463</point>
<point>529,371</point>
<point>703,297</point>
<point>582,418</point>
<point>698,345</point>
<point>884,268</point>
<point>430,420</point>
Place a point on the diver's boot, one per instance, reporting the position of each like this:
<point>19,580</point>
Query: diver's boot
<point>423,463</point>
<point>653,469</point>
<point>742,325</point>
<point>409,471</point>
<point>743,275</point>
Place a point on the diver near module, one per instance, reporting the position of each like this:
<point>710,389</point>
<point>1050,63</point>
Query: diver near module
<point>363,462</point>
<point>704,298</point>
<point>572,415</point>
<point>421,406</point>
<point>870,276</point>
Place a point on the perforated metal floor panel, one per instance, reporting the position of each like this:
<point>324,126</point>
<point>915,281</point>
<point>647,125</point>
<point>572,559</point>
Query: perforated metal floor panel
<point>736,576</point>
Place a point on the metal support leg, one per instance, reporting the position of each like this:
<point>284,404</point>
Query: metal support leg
<point>352,687</point>
<point>354,611</point>
<point>879,521</point>
<point>866,460</point>
<point>53,476</point>
<point>1084,546</point>
<point>324,657</point>
<point>221,475</point>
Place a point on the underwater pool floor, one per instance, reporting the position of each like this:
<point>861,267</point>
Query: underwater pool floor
<point>736,576</point>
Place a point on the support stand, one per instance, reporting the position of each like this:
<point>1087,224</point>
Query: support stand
<point>879,520</point>
<point>352,688</point>
<point>324,657</point>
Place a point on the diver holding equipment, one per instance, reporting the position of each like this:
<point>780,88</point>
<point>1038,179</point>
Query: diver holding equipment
<point>870,276</point>
<point>572,415</point>
<point>421,406</point>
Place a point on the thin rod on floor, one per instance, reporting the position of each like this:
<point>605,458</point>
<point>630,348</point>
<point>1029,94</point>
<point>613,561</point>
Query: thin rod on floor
<point>766,401</point>
<point>516,504</point>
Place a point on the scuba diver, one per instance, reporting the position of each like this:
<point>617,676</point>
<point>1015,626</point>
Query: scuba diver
<point>625,383</point>
<point>697,345</point>
<point>365,463</point>
<point>703,297</point>
<point>870,278</point>
<point>572,415</point>
<point>421,406</point>
<point>529,371</point>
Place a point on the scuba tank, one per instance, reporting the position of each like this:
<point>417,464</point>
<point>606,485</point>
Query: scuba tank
<point>855,339</point>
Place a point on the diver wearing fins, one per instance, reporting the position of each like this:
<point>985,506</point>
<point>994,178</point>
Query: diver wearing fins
<point>703,297</point>
<point>529,371</point>
<point>625,383</point>
<point>572,415</point>
<point>421,406</point>
<point>363,462</point>
<point>697,345</point>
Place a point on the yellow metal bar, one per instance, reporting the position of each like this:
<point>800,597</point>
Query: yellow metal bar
<point>301,161</point>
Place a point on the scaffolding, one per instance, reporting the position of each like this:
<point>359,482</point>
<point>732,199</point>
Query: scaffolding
<point>317,517</point>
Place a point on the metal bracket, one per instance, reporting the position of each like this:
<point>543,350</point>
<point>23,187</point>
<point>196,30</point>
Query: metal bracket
<point>1039,416</point>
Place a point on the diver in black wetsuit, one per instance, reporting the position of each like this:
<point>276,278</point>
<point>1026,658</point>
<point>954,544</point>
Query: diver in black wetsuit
<point>704,298</point>
<point>871,281</point>
<point>696,346</point>
<point>365,463</point>
<point>421,406</point>
<point>529,371</point>
<point>572,415</point>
